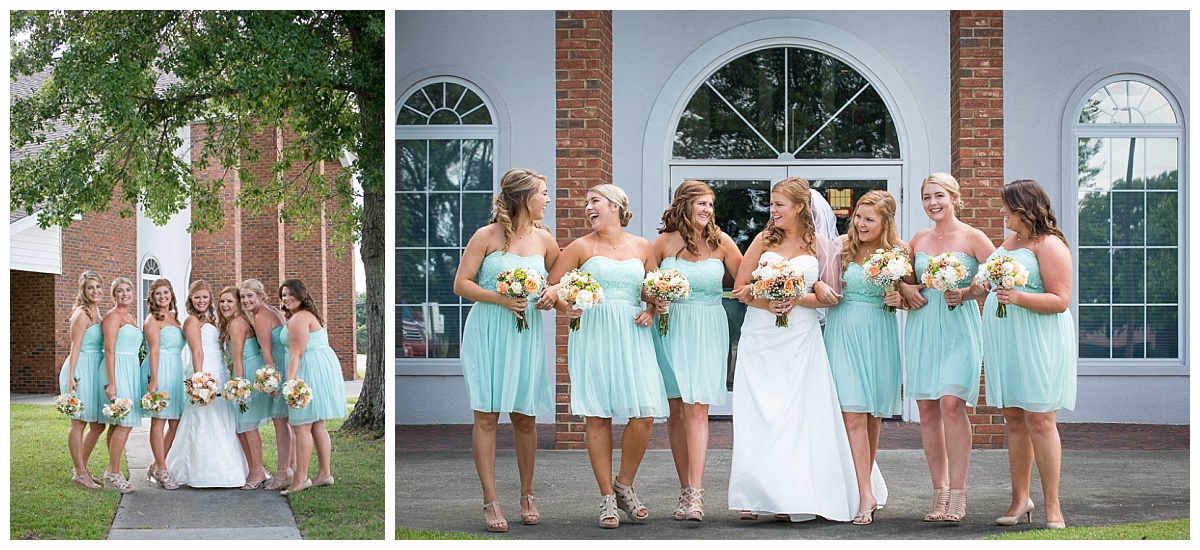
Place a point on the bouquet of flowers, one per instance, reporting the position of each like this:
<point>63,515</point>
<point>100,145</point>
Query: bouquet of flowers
<point>667,285</point>
<point>778,280</point>
<point>266,379</point>
<point>68,404</point>
<point>1003,272</point>
<point>944,272</point>
<point>202,388</point>
<point>118,409</point>
<point>297,394</point>
<point>519,283</point>
<point>581,291</point>
<point>885,267</point>
<point>239,390</point>
<point>155,401</point>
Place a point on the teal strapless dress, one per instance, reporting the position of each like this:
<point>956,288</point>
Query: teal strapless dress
<point>89,369</point>
<point>863,343</point>
<point>505,371</point>
<point>129,382</point>
<point>944,348</point>
<point>170,373</point>
<point>279,352</point>
<point>1028,358</point>
<point>258,409</point>
<point>610,359</point>
<point>692,356</point>
<point>321,370</point>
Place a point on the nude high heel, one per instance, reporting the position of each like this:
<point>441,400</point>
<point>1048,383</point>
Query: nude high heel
<point>941,503</point>
<point>957,510</point>
<point>1009,521</point>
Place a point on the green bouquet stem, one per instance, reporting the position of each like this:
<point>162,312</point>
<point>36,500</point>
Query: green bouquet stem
<point>888,287</point>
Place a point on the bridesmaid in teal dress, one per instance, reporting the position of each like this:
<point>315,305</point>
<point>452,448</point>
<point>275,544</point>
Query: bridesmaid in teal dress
<point>311,360</point>
<point>862,339</point>
<point>162,370</point>
<point>505,370</point>
<point>244,357</point>
<point>268,330</point>
<point>944,348</point>
<point>122,339</point>
<point>610,359</point>
<point>692,355</point>
<point>83,373</point>
<point>1029,355</point>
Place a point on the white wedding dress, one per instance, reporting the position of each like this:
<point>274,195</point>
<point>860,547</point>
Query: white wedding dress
<point>790,450</point>
<point>206,452</point>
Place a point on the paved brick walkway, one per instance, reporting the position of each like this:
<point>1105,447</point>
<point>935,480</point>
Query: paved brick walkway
<point>894,436</point>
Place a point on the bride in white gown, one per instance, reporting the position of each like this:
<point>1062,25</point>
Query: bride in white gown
<point>206,452</point>
<point>790,451</point>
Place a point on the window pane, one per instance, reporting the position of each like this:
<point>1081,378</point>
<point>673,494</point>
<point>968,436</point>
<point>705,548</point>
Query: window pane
<point>444,116</point>
<point>1094,281</point>
<point>477,209</point>
<point>410,276</point>
<point>1129,333</point>
<point>445,164</point>
<point>1163,225</point>
<point>1128,276</point>
<point>1093,332</point>
<point>1162,163</point>
<point>1162,339</point>
<point>477,165</point>
<point>442,266</point>
<point>411,340</point>
<point>444,219</point>
<point>411,156</point>
<point>741,208</point>
<point>410,219</point>
<point>1092,172</point>
<point>821,86</point>
<point>1162,273</point>
<point>1094,221</point>
<point>416,110</point>
<point>1127,102</point>
<point>1124,162</point>
<point>1128,211</point>
<point>842,195</point>
<point>446,335</point>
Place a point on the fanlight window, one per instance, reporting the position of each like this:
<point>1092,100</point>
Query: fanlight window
<point>443,103</point>
<point>1127,102</point>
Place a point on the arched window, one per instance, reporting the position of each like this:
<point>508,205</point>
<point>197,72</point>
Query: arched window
<point>1130,147</point>
<point>445,141</point>
<point>150,272</point>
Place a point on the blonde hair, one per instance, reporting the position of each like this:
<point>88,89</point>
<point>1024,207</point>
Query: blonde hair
<point>947,182</point>
<point>517,186</point>
<point>81,298</point>
<point>885,205</point>
<point>207,316</point>
<point>153,307</point>
<point>678,217</point>
<point>617,196</point>
<point>112,289</point>
<point>223,321</point>
<point>796,190</point>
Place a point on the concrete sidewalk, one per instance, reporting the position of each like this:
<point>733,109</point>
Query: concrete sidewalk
<point>439,491</point>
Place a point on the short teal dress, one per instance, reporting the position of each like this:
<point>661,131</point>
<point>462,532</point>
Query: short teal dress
<point>279,352</point>
<point>505,370</point>
<point>1028,358</point>
<point>321,371</point>
<point>90,371</point>
<point>258,409</point>
<point>130,383</point>
<point>692,356</point>
<point>170,373</point>
<point>610,359</point>
<point>863,343</point>
<point>944,348</point>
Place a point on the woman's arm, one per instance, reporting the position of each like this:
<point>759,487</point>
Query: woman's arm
<point>110,326</point>
<point>468,268</point>
<point>297,341</point>
<point>152,329</point>
<point>262,331</point>
<point>79,325</point>
<point>549,295</point>
<point>238,331</point>
<point>191,333</point>
<point>733,256</point>
<point>570,258</point>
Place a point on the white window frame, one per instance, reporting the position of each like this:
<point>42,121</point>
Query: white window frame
<point>143,279</point>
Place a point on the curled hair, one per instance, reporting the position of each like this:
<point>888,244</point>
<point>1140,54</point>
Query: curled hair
<point>796,191</point>
<point>81,297</point>
<point>678,217</point>
<point>947,182</point>
<point>112,288</point>
<point>1029,201</point>
<point>223,321</point>
<point>207,316</point>
<point>300,294</point>
<point>617,196</point>
<point>511,206</point>
<point>885,205</point>
<point>153,307</point>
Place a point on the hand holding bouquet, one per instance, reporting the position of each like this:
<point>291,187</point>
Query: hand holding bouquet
<point>155,401</point>
<point>943,273</point>
<point>1004,272</point>
<point>239,390</point>
<point>202,388</point>
<point>297,394</point>
<point>266,379</point>
<point>520,283</point>
<point>667,285</point>
<point>778,280</point>
<point>885,267</point>
<point>118,409</point>
<point>68,404</point>
<point>581,291</point>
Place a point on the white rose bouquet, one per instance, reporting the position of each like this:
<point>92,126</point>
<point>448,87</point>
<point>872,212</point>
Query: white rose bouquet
<point>118,409</point>
<point>266,379</point>
<point>239,390</point>
<point>581,291</point>
<point>297,394</point>
<point>155,401</point>
<point>885,267</point>
<point>1004,272</point>
<point>202,388</point>
<point>944,272</point>
<point>69,404</point>
<point>778,280</point>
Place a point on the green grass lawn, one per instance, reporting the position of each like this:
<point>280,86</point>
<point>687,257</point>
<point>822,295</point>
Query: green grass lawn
<point>404,533</point>
<point>1177,529</point>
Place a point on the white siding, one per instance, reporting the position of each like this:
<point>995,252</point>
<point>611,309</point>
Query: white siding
<point>35,249</point>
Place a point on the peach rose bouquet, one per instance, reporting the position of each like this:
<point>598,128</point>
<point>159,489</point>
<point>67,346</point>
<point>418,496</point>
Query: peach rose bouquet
<point>778,280</point>
<point>520,283</point>
<point>885,267</point>
<point>667,285</point>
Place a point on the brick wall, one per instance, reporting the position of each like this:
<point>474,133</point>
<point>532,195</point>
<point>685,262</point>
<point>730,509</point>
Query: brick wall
<point>977,151</point>
<point>34,362</point>
<point>583,131</point>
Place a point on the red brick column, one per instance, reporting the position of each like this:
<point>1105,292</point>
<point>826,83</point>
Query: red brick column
<point>977,151</point>
<point>34,363</point>
<point>583,130</point>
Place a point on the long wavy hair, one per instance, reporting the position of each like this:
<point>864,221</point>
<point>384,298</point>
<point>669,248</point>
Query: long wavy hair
<point>511,206</point>
<point>885,206</point>
<point>1028,200</point>
<point>153,307</point>
<point>209,315</point>
<point>81,297</point>
<point>947,182</point>
<point>223,321</point>
<point>617,196</point>
<point>678,217</point>
<point>300,293</point>
<point>796,190</point>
